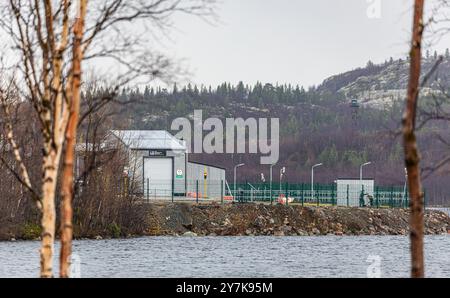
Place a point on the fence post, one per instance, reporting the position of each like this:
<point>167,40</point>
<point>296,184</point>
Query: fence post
<point>406,199</point>
<point>316,192</point>
<point>263,199</point>
<point>303,194</point>
<point>148,189</point>
<point>172,191</point>
<point>196,191</point>
<point>348,195</point>
<point>333,202</point>
<point>391,200</point>
<point>361,197</point>
<point>271,187</point>
<point>377,196</point>
<point>287,193</point>
<point>221,192</point>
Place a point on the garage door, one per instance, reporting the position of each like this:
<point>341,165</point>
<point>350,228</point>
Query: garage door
<point>158,177</point>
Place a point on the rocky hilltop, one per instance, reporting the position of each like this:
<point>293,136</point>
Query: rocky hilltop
<point>382,84</point>
<point>265,220</point>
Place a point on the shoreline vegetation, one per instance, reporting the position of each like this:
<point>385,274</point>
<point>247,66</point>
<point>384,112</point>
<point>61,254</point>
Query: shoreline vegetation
<point>187,219</point>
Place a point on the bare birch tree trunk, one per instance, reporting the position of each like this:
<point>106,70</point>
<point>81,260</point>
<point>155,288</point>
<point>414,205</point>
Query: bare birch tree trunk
<point>71,134</point>
<point>55,114</point>
<point>412,157</point>
<point>48,213</point>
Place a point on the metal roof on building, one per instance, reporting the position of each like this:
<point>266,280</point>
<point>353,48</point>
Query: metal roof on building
<point>149,139</point>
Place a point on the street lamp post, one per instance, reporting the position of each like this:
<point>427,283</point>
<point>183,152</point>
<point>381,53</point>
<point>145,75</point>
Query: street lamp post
<point>405,187</point>
<point>361,173</point>
<point>312,181</point>
<point>271,166</point>
<point>263,179</point>
<point>235,168</point>
<point>282,171</point>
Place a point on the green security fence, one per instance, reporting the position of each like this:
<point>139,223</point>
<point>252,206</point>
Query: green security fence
<point>286,193</point>
<point>321,195</point>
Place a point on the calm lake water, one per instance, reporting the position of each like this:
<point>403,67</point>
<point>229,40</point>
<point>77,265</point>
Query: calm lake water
<point>327,256</point>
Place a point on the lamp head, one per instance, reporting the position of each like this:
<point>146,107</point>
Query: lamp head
<point>317,165</point>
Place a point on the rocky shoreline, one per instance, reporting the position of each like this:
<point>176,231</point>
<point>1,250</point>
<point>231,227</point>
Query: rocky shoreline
<point>266,220</point>
<point>187,219</point>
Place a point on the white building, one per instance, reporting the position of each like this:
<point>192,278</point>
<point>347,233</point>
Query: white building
<point>349,191</point>
<point>159,163</point>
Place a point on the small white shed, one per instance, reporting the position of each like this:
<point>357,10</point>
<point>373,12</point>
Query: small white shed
<point>349,191</point>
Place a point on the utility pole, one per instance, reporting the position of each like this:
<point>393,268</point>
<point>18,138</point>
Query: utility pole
<point>271,166</point>
<point>361,173</point>
<point>235,168</point>
<point>282,171</point>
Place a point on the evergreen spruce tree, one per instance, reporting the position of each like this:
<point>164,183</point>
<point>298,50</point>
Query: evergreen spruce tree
<point>240,92</point>
<point>146,93</point>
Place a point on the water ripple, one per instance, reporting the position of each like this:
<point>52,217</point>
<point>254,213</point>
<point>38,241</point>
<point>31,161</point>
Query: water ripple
<point>327,256</point>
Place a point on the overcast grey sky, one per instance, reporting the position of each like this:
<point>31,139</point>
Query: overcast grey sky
<point>291,41</point>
